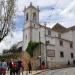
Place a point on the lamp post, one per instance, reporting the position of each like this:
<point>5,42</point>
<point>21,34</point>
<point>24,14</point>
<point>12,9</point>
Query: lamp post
<point>40,60</point>
<point>45,45</point>
<point>51,65</point>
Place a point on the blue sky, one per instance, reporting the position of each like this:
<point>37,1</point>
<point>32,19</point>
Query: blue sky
<point>19,22</point>
<point>51,12</point>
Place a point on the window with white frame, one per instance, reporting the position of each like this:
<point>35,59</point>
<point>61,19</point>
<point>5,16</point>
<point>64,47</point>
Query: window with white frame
<point>61,42</point>
<point>72,55</point>
<point>71,45</point>
<point>49,32</point>
<point>61,54</point>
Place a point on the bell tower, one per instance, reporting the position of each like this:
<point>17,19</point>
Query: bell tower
<point>31,15</point>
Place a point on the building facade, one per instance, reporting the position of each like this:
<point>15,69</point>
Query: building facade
<point>58,43</point>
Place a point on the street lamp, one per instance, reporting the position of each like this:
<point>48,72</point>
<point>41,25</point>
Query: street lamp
<point>45,45</point>
<point>40,60</point>
<point>51,65</point>
<point>51,62</point>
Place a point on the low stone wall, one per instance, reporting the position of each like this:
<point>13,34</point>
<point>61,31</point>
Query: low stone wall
<point>55,65</point>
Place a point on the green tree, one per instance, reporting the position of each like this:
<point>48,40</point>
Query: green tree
<point>13,49</point>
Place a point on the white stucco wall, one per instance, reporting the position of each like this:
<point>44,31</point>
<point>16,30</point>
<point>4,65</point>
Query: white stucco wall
<point>26,38</point>
<point>67,35</point>
<point>66,49</point>
<point>73,38</point>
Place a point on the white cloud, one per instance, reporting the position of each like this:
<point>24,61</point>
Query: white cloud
<point>69,12</point>
<point>43,3</point>
<point>10,40</point>
<point>43,16</point>
<point>69,7</point>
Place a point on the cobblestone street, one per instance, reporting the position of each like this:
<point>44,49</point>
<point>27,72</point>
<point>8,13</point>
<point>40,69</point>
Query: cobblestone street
<point>64,71</point>
<point>68,71</point>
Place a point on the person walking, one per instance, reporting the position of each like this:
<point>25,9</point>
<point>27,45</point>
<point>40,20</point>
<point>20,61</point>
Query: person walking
<point>3,67</point>
<point>12,66</point>
<point>19,67</point>
<point>29,67</point>
<point>43,65</point>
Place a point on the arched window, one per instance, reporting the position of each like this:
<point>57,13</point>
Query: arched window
<point>34,16</point>
<point>26,16</point>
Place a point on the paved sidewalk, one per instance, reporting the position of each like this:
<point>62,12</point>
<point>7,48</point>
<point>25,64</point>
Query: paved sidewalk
<point>32,73</point>
<point>27,73</point>
<point>64,71</point>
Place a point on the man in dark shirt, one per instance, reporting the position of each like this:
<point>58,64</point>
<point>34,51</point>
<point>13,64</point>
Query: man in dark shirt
<point>29,66</point>
<point>19,66</point>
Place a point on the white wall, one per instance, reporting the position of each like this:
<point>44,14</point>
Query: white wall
<point>35,35</point>
<point>73,38</point>
<point>26,40</point>
<point>67,35</point>
<point>66,49</point>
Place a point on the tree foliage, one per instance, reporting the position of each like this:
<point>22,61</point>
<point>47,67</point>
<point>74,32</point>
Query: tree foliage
<point>13,52</point>
<point>13,49</point>
<point>13,56</point>
<point>31,47</point>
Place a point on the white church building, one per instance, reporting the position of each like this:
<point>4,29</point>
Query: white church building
<point>58,46</point>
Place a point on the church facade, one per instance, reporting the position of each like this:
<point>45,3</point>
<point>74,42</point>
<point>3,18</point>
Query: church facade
<point>58,43</point>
